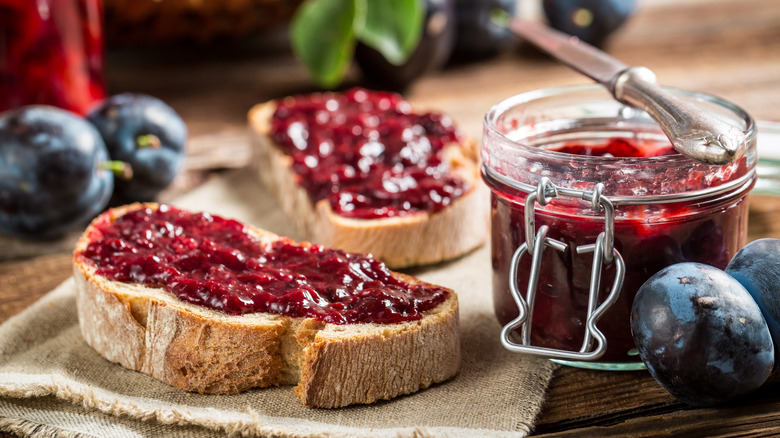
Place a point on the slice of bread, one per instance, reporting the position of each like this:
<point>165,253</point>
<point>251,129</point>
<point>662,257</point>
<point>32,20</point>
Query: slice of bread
<point>198,349</point>
<point>416,239</point>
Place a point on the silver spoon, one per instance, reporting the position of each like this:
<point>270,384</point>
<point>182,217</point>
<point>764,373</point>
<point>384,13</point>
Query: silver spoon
<point>693,132</point>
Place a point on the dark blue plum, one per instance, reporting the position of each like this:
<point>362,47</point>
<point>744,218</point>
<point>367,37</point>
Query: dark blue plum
<point>146,133</point>
<point>701,335</point>
<point>477,36</point>
<point>51,179</point>
<point>757,267</point>
<point>432,52</point>
<point>591,21</point>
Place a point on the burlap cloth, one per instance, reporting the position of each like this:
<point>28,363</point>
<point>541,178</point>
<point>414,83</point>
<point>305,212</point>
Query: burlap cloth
<point>53,384</point>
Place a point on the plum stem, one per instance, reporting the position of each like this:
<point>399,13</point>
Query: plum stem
<point>120,169</point>
<point>148,141</point>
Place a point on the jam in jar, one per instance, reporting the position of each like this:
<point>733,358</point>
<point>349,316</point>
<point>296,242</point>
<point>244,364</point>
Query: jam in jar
<point>667,209</point>
<point>51,52</point>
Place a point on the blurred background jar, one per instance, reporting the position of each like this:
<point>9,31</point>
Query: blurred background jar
<point>51,52</point>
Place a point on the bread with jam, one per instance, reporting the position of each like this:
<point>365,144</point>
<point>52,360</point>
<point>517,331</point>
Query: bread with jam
<point>362,171</point>
<point>212,305</point>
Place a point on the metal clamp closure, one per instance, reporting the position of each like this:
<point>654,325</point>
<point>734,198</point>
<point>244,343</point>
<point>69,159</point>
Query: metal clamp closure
<point>603,251</point>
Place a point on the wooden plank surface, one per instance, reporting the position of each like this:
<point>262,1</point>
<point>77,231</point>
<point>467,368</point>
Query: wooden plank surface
<point>728,47</point>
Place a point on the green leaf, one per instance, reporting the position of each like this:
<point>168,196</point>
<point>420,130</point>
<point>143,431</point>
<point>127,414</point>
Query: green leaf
<point>322,34</point>
<point>393,27</point>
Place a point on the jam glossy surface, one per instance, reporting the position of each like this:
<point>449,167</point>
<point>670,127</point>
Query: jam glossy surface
<point>649,238</point>
<point>367,153</point>
<point>213,262</point>
<point>617,147</point>
<point>51,52</point>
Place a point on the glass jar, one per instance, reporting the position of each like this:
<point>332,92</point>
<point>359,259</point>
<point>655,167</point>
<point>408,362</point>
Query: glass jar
<point>666,209</point>
<point>51,52</point>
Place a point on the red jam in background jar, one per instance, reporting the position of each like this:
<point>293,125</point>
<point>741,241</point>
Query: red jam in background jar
<point>637,165</point>
<point>215,263</point>
<point>51,52</point>
<point>368,153</point>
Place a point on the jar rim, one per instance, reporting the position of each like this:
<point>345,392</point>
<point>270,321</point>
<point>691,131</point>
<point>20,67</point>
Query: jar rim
<point>535,95</point>
<point>517,128</point>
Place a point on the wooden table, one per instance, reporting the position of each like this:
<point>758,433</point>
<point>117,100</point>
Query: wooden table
<point>730,48</point>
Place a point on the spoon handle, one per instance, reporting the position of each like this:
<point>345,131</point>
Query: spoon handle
<point>692,131</point>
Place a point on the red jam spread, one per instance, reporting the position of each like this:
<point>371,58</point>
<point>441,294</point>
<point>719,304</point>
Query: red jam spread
<point>367,153</point>
<point>708,231</point>
<point>617,147</point>
<point>213,262</point>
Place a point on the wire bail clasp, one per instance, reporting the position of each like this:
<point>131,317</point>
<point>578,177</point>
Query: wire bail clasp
<point>536,242</point>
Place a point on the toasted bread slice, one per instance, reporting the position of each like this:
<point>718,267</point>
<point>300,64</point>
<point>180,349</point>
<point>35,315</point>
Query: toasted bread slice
<point>412,240</point>
<point>198,349</point>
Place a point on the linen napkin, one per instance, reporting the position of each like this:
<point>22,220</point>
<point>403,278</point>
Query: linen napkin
<point>53,384</point>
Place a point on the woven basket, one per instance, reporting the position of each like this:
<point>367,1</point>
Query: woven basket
<point>133,22</point>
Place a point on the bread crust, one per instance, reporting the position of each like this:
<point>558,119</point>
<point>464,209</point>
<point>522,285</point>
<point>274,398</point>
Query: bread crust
<point>413,240</point>
<point>197,349</point>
